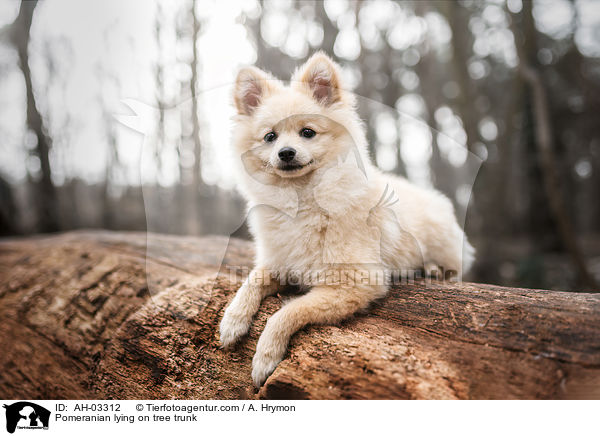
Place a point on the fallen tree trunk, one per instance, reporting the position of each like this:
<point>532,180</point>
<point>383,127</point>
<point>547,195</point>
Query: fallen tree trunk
<point>96,315</point>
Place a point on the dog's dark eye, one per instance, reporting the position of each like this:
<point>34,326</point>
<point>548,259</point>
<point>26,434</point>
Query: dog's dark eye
<point>270,137</point>
<point>307,133</point>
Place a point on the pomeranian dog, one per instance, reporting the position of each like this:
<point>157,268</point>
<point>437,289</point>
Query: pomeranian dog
<point>321,211</point>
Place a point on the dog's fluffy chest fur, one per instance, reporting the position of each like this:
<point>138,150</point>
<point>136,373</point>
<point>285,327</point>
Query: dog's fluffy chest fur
<point>312,226</point>
<point>289,243</point>
<point>296,236</point>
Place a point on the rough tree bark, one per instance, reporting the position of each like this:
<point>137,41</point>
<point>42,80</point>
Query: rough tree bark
<point>94,315</point>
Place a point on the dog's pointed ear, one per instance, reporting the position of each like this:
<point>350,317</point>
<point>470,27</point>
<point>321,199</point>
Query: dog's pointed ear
<point>251,86</point>
<point>320,77</point>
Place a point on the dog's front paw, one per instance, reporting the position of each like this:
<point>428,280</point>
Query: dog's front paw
<point>233,326</point>
<point>262,367</point>
<point>269,352</point>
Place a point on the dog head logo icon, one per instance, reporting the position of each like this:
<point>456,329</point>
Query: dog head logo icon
<point>26,415</point>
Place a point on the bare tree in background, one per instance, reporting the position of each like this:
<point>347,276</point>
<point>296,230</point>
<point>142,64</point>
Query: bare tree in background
<point>192,187</point>
<point>8,209</point>
<point>197,179</point>
<point>160,139</point>
<point>543,139</point>
<point>18,35</point>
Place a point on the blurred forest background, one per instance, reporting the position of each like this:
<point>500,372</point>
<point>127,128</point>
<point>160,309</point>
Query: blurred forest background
<point>507,91</point>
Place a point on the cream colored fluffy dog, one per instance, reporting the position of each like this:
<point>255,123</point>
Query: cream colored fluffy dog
<point>321,211</point>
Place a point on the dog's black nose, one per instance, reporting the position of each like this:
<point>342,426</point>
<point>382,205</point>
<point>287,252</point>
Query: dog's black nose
<point>286,154</point>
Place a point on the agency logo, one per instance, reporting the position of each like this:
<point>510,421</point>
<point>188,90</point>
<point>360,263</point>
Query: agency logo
<point>26,415</point>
